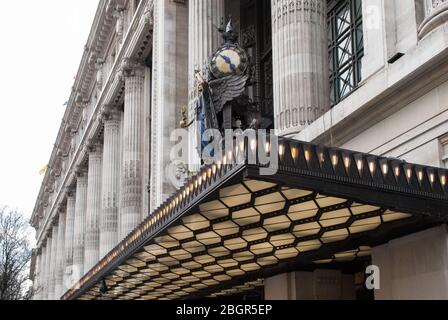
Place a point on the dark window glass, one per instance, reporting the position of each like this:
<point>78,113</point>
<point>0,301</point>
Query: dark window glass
<point>345,46</point>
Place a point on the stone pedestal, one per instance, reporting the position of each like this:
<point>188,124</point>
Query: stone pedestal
<point>414,267</point>
<point>60,258</point>
<point>92,240</point>
<point>317,285</point>
<point>110,182</point>
<point>69,238</point>
<point>80,227</point>
<point>133,132</point>
<point>300,63</point>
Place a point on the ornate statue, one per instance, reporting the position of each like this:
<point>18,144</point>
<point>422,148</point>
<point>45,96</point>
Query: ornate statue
<point>227,79</point>
<point>222,103</point>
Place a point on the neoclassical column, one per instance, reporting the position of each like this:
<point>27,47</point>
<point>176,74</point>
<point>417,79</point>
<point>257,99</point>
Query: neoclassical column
<point>47,269</point>
<point>92,240</point>
<point>300,63</point>
<point>60,258</point>
<point>69,238</point>
<point>133,131</point>
<point>37,277</point>
<point>43,273</point>
<point>112,119</point>
<point>54,254</point>
<point>169,94</point>
<point>203,39</point>
<point>80,226</point>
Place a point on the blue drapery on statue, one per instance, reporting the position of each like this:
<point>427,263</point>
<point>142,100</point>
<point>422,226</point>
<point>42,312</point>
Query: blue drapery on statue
<point>201,120</point>
<point>206,118</point>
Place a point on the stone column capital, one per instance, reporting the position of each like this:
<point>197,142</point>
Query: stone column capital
<point>132,68</point>
<point>62,208</point>
<point>70,192</point>
<point>109,112</point>
<point>93,145</point>
<point>54,221</point>
<point>80,171</point>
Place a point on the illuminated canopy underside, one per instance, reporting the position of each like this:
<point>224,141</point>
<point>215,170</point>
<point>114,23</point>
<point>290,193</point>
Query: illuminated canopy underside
<point>230,227</point>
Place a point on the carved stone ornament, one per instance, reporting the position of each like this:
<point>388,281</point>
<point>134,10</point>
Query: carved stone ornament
<point>80,171</point>
<point>436,16</point>
<point>132,67</point>
<point>148,16</point>
<point>177,173</point>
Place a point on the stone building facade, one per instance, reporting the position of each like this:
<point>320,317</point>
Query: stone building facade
<point>367,75</point>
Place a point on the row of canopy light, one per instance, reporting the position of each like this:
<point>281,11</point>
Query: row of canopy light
<point>291,154</point>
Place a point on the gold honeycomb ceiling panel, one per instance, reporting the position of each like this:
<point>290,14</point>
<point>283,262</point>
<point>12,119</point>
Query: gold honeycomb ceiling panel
<point>206,250</point>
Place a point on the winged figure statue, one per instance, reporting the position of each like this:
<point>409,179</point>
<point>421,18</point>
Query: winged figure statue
<point>217,93</point>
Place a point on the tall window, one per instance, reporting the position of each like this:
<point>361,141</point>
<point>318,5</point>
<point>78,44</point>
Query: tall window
<point>345,45</point>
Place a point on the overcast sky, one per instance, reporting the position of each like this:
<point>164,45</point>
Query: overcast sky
<point>41,47</point>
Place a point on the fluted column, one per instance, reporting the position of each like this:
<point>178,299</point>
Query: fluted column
<point>92,244</point>
<point>68,243</point>
<point>43,273</point>
<point>133,131</point>
<point>110,181</point>
<point>38,279</point>
<point>47,269</point>
<point>60,258</point>
<point>300,63</point>
<point>54,254</point>
<point>80,227</point>
<point>203,39</point>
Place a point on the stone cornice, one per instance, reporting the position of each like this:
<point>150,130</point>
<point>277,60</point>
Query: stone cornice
<point>135,42</point>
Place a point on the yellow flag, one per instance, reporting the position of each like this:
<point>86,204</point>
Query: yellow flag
<point>43,170</point>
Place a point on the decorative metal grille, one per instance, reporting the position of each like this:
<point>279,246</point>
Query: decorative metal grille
<point>346,48</point>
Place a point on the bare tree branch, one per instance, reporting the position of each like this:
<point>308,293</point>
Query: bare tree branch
<point>15,255</point>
